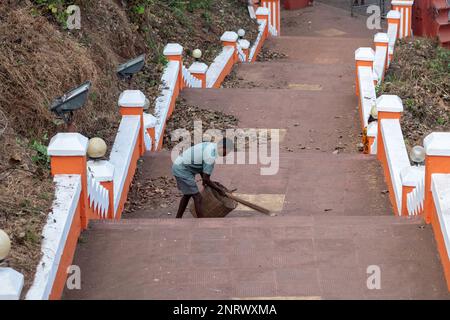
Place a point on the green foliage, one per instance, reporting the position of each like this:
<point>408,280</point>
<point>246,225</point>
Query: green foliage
<point>140,6</point>
<point>441,62</point>
<point>409,103</point>
<point>41,157</point>
<point>139,9</point>
<point>378,88</point>
<point>199,4</point>
<point>441,121</point>
<point>206,15</point>
<point>56,8</point>
<point>162,59</point>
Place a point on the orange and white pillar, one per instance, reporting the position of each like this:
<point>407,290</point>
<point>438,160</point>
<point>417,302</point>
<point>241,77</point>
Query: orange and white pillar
<point>198,70</point>
<point>229,39</point>
<point>364,57</point>
<point>405,9</point>
<point>174,52</point>
<point>388,107</point>
<point>150,123</point>
<point>67,153</point>
<point>381,41</point>
<point>437,148</point>
<point>131,103</point>
<point>274,7</point>
<point>245,46</point>
<point>393,19</point>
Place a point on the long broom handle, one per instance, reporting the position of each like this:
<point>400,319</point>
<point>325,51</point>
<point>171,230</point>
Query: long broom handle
<point>248,204</point>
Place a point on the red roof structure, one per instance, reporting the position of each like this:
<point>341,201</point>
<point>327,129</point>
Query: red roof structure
<point>432,18</point>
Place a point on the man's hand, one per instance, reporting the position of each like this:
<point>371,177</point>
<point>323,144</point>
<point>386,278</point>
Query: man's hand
<point>206,178</point>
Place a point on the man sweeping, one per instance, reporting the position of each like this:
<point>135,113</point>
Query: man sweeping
<point>198,159</point>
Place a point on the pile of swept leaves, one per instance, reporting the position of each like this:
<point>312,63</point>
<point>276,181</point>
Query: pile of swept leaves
<point>184,117</point>
<point>147,193</point>
<point>420,75</point>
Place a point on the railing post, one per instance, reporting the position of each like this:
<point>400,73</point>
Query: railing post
<point>150,123</point>
<point>229,39</point>
<point>405,9</point>
<point>274,7</point>
<point>437,148</point>
<point>381,41</point>
<point>364,57</point>
<point>388,107</point>
<point>263,14</point>
<point>393,19</point>
<point>103,172</point>
<point>11,284</point>
<point>410,176</point>
<point>67,153</point>
<point>372,132</point>
<point>131,103</point>
<point>198,70</point>
<point>245,46</point>
<point>174,52</point>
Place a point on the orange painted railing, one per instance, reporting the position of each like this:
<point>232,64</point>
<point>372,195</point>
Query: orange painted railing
<point>413,190</point>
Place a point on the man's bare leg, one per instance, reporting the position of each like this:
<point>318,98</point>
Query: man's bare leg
<point>198,205</point>
<point>183,204</point>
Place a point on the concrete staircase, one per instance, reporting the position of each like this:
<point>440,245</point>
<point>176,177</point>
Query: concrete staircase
<point>335,222</point>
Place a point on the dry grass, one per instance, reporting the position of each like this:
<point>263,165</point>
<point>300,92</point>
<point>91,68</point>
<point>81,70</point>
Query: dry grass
<point>39,61</point>
<point>420,75</point>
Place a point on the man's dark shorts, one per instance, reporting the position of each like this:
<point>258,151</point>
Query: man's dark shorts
<point>187,186</point>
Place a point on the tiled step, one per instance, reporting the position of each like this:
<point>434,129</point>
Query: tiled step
<point>297,76</point>
<point>323,120</point>
<point>295,257</point>
<point>323,20</point>
<point>309,183</point>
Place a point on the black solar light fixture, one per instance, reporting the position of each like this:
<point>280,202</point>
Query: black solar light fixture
<point>131,67</point>
<point>71,101</point>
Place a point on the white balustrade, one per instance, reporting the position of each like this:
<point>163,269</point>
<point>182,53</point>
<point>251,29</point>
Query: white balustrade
<point>189,80</point>
<point>98,195</point>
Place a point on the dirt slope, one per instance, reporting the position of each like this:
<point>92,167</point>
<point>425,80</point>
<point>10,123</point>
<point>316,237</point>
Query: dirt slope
<point>40,59</point>
<point>420,75</point>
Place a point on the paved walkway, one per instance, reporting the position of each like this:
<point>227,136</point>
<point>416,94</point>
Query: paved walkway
<point>334,220</point>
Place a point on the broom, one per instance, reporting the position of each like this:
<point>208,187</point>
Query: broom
<point>249,204</point>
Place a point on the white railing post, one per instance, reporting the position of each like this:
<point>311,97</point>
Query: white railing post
<point>11,284</point>
<point>388,107</point>
<point>405,9</point>
<point>412,182</point>
<point>67,153</point>
<point>393,19</point>
<point>381,41</point>
<point>437,148</point>
<point>263,14</point>
<point>103,172</point>
<point>364,57</point>
<point>174,52</point>
<point>229,39</point>
<point>244,49</point>
<point>198,71</point>
<point>150,123</point>
<point>132,103</point>
<point>274,8</point>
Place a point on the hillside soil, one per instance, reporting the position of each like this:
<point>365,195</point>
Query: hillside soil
<point>40,59</point>
<point>420,75</point>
